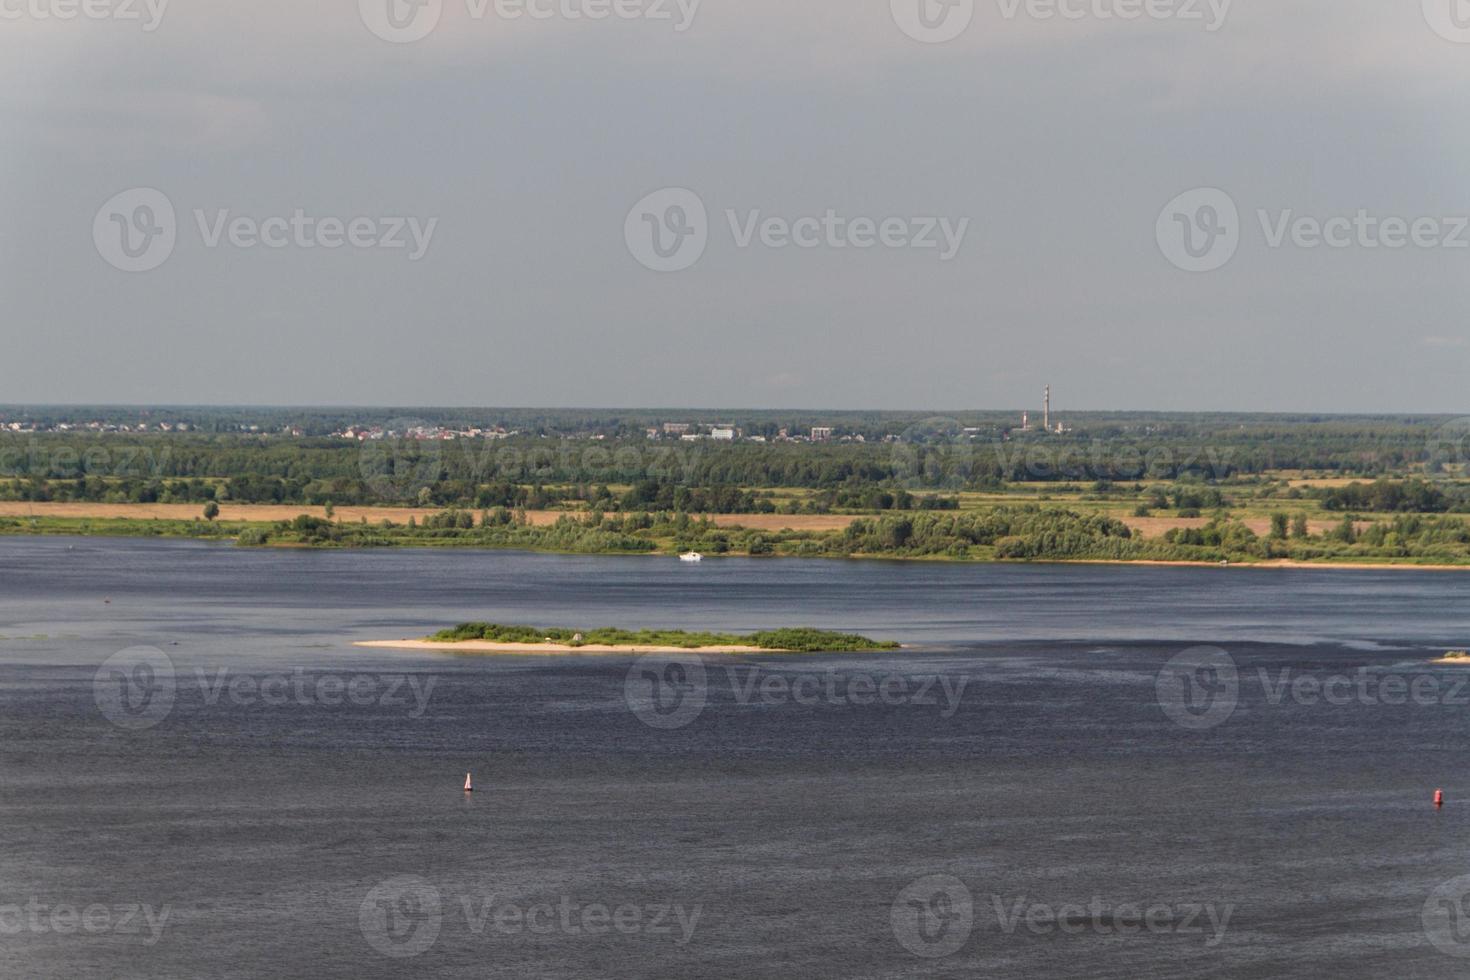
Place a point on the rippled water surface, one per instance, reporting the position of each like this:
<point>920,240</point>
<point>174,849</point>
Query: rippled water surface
<point>1007,797</point>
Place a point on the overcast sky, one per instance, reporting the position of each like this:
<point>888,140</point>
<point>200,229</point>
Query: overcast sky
<point>525,163</point>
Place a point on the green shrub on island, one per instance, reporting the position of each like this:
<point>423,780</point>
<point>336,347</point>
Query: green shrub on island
<point>795,640</point>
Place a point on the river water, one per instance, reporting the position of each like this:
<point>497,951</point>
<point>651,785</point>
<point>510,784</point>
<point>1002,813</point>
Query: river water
<point>200,776</point>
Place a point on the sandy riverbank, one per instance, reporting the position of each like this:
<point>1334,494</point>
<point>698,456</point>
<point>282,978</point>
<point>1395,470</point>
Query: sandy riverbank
<point>270,513</point>
<point>550,649</point>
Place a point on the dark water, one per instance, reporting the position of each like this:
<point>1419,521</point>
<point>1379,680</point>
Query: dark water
<point>273,825</point>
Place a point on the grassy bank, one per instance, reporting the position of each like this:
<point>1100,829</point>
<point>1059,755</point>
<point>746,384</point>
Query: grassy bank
<point>796,640</point>
<point>1020,533</point>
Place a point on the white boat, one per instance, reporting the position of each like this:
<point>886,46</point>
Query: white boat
<point>691,557</point>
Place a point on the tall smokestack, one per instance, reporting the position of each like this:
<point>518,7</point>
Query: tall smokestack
<point>1046,419</point>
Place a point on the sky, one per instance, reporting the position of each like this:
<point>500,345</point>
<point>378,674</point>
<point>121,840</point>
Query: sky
<point>891,204</point>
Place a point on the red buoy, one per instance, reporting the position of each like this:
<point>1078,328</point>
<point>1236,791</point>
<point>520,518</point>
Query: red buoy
<point>1438,798</point>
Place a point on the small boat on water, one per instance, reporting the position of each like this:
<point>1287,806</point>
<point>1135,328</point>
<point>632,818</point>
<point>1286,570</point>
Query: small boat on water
<point>691,557</point>
<point>468,786</point>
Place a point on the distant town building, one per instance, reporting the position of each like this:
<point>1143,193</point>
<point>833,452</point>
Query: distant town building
<point>722,433</point>
<point>821,434</point>
<point>677,428</point>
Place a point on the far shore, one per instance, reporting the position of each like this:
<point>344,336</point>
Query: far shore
<point>1284,563</point>
<point>557,649</point>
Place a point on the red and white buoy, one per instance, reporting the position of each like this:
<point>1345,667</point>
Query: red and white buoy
<point>1439,799</point>
<point>468,786</point>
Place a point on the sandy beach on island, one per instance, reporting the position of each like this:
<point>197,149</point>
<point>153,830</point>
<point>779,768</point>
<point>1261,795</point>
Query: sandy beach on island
<point>556,649</point>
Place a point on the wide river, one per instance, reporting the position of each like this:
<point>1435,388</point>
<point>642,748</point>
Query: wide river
<point>201,777</point>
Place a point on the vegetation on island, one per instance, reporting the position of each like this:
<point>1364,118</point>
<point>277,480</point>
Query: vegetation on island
<point>794,640</point>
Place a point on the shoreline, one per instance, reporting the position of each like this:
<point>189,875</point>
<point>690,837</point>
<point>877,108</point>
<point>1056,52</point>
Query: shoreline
<point>556,649</point>
<point>1284,564</point>
<point>138,529</point>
